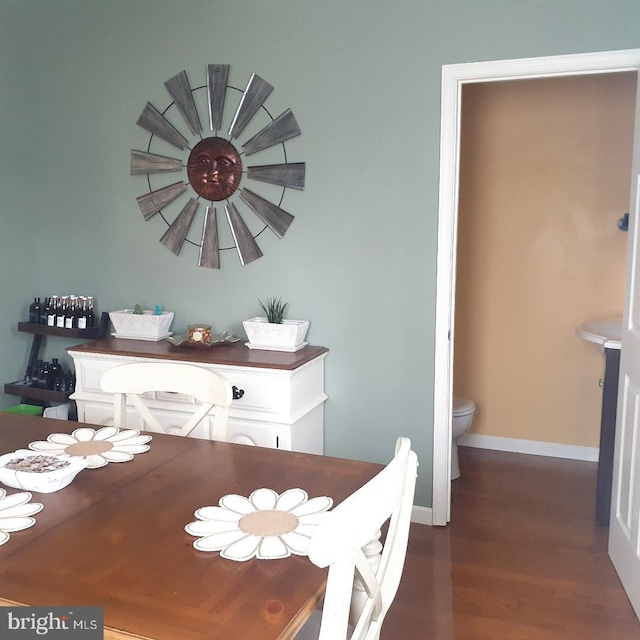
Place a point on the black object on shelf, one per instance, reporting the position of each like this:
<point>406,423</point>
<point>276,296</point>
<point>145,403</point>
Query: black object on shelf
<point>27,391</point>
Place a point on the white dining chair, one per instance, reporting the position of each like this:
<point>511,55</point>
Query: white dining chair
<point>364,574</point>
<point>128,382</point>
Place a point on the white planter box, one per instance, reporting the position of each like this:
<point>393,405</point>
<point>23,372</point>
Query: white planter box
<point>145,326</point>
<point>287,336</point>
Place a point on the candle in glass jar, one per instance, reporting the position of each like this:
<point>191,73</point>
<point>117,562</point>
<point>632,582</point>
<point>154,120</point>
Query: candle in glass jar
<point>199,332</point>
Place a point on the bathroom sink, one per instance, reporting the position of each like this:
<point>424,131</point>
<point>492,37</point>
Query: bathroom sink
<point>605,332</point>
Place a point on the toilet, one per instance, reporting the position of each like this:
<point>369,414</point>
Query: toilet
<point>463,410</point>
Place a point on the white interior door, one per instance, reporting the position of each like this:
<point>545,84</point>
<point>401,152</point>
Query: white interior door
<point>624,533</point>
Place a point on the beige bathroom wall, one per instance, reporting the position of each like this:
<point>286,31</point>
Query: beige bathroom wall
<point>545,174</point>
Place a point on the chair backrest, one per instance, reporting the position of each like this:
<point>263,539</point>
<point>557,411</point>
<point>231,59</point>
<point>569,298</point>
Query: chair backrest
<point>347,542</point>
<point>131,381</point>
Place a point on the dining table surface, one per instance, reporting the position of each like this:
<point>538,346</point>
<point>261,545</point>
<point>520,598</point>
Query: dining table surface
<point>115,537</point>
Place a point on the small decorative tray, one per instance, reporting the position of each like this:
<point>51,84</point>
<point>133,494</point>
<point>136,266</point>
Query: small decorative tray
<point>216,340</point>
<point>37,471</point>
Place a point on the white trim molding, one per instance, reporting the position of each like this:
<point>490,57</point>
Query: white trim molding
<point>531,447</point>
<point>454,77</point>
<point>421,515</point>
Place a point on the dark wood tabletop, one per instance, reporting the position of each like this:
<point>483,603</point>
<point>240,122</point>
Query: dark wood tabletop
<point>115,538</point>
<point>232,354</point>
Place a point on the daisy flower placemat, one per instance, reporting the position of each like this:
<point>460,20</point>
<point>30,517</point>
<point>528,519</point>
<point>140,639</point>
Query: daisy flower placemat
<point>266,525</point>
<point>100,447</point>
<point>15,513</point>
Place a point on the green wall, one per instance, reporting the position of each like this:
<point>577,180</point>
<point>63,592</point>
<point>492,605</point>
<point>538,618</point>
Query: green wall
<point>362,77</point>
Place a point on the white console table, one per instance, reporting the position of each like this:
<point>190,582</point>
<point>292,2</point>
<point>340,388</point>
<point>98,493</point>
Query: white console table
<point>279,396</point>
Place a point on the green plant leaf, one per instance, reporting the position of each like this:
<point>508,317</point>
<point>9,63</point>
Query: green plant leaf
<point>274,309</point>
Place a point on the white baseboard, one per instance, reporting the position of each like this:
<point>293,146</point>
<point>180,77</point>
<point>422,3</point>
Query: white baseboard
<point>422,515</point>
<point>532,447</point>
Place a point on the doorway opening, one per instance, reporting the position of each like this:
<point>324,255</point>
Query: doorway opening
<point>454,79</point>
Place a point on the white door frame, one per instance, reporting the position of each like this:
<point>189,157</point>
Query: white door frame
<point>454,77</point>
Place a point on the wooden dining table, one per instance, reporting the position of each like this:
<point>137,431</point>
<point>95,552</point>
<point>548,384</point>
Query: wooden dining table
<point>115,538</point>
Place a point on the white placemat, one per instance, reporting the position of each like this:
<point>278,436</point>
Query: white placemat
<point>266,525</point>
<point>15,512</point>
<point>99,448</point>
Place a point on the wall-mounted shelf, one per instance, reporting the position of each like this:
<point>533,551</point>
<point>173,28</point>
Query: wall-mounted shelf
<point>47,396</point>
<point>45,330</point>
<point>26,391</point>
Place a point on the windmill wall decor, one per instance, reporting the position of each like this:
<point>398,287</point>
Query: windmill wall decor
<point>215,165</point>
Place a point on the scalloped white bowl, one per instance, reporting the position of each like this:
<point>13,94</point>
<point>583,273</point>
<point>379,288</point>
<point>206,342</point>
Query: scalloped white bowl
<point>46,482</point>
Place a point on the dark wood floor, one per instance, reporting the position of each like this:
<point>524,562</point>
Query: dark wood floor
<point>522,559</point>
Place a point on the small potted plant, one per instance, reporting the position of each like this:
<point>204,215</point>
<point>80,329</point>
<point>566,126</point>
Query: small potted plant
<point>272,331</point>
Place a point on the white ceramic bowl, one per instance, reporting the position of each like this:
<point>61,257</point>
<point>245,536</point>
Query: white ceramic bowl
<point>40,482</point>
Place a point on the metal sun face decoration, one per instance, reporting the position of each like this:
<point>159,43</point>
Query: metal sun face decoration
<point>215,166</point>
